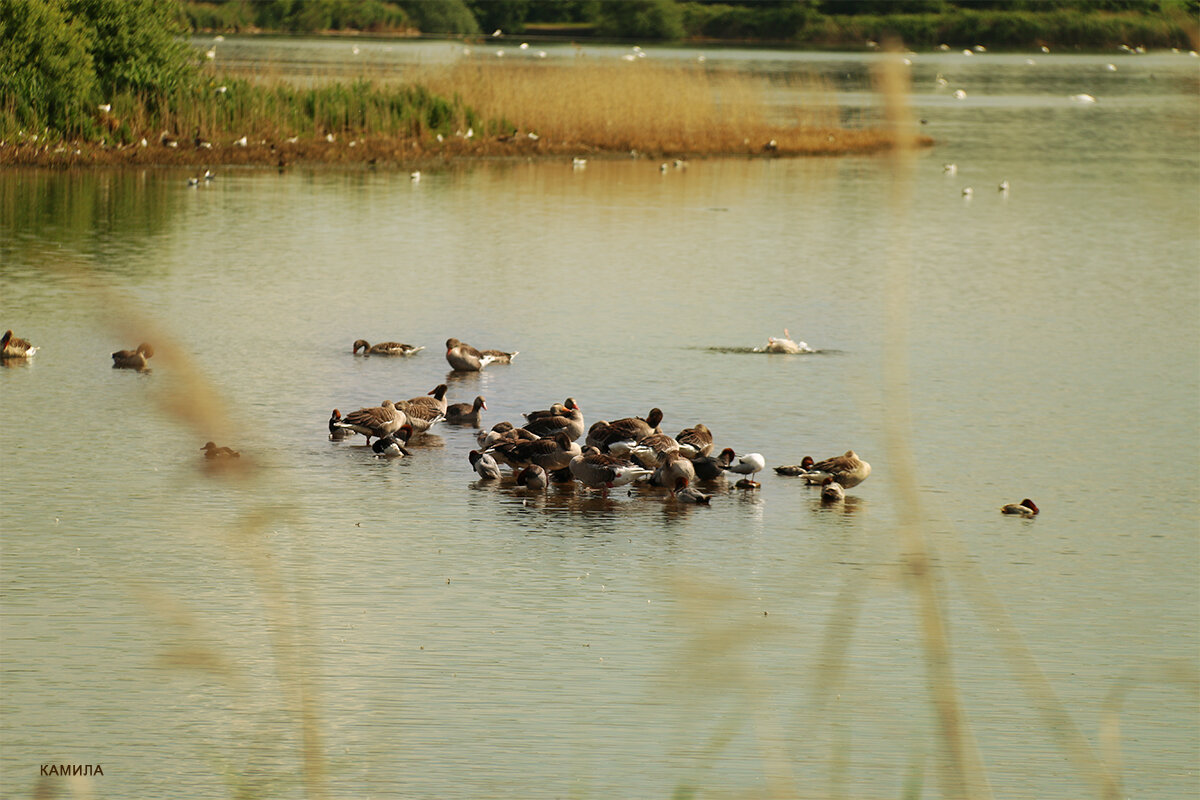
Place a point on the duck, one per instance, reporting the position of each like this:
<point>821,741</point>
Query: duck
<point>466,413</point>
<point>375,421</point>
<point>336,431</point>
<point>464,358</point>
<point>1025,508</point>
<point>392,445</point>
<point>687,494</point>
<point>484,465</point>
<point>786,345</point>
<point>750,464</point>
<point>14,347</point>
<point>532,477</point>
<point>847,469</point>
<point>500,356</point>
<point>598,470</point>
<point>385,348</point>
<point>832,492</point>
<point>211,451</point>
<point>793,470</point>
<point>133,359</point>
<point>624,433</point>
<point>569,421</point>
<point>709,468</point>
<point>695,441</point>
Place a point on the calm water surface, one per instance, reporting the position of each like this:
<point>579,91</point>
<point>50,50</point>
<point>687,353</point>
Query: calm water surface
<point>445,638</point>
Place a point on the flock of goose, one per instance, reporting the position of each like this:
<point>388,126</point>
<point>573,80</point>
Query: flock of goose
<point>545,449</point>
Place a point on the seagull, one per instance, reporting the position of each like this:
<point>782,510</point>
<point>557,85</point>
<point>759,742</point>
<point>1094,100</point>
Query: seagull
<point>242,142</point>
<point>415,175</point>
<point>105,107</point>
<point>1003,185</point>
<point>749,464</point>
<point>959,94</point>
<point>1083,98</point>
<point>950,169</point>
<point>967,191</point>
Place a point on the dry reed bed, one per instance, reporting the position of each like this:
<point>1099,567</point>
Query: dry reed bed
<point>595,109</point>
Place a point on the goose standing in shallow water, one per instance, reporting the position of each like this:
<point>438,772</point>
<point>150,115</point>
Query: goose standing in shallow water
<point>464,358</point>
<point>384,348</point>
<point>133,359</point>
<point>377,421</point>
<point>13,347</point>
<point>847,469</point>
<point>466,413</point>
<point>1025,508</point>
<point>598,470</point>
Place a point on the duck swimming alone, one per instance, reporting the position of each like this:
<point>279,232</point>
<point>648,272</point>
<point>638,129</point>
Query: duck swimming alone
<point>211,451</point>
<point>12,347</point>
<point>133,359</point>
<point>1025,508</point>
<point>384,348</point>
<point>847,469</point>
<point>786,345</point>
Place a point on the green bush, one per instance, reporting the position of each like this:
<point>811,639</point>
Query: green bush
<point>640,19</point>
<point>136,45</point>
<point>440,16</point>
<point>47,79</point>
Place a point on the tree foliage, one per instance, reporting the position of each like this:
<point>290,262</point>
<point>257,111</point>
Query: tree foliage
<point>46,74</point>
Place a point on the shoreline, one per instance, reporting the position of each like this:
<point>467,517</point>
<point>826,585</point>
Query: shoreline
<point>403,153</point>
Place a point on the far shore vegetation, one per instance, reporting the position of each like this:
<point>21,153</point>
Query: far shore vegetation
<point>117,82</point>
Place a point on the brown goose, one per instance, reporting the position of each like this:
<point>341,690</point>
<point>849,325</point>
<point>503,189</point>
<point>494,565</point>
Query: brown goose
<point>848,469</point>
<point>503,432</point>
<point>551,453</point>
<point>569,421</point>
<point>499,356</point>
<point>652,449</point>
<point>598,470</point>
<point>696,441</point>
<point>466,413</point>
<point>629,430</point>
<point>464,358</point>
<point>377,421</point>
<point>532,477</point>
<point>421,416</point>
<point>436,398</point>
<point>133,359</point>
<point>13,347</point>
<point>384,348</point>
<point>673,467</point>
<point>555,410</point>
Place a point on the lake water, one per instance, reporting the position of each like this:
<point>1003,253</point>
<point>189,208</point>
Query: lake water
<point>420,634</point>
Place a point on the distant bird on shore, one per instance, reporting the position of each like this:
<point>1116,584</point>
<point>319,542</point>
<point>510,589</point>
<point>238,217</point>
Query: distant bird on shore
<point>13,347</point>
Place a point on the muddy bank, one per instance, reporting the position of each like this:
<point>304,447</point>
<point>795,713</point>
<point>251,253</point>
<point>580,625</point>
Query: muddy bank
<point>403,153</point>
